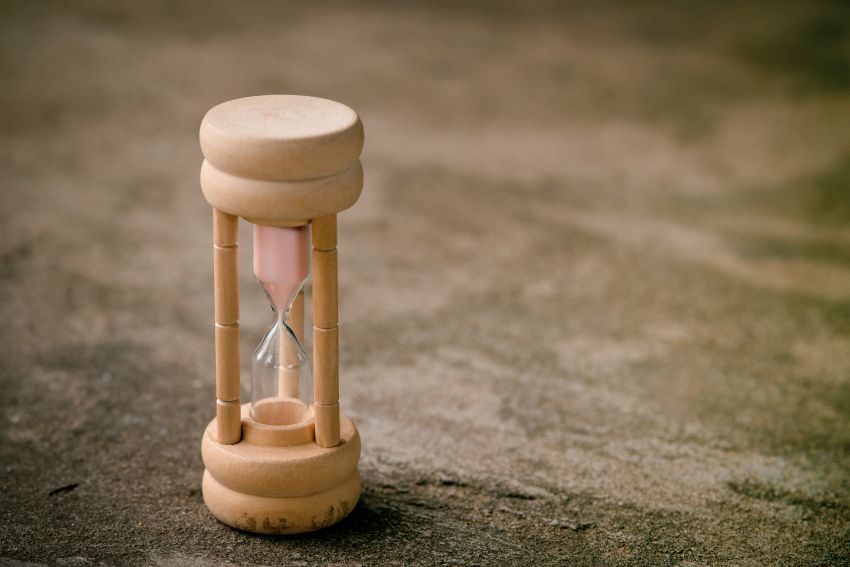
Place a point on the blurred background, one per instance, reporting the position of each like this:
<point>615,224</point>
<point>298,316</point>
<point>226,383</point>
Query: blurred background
<point>595,297</point>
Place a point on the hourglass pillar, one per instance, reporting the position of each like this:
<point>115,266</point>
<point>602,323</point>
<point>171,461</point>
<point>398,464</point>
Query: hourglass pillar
<point>286,462</point>
<point>326,331</point>
<point>225,269</point>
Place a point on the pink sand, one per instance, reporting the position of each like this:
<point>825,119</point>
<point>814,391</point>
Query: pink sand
<point>280,260</point>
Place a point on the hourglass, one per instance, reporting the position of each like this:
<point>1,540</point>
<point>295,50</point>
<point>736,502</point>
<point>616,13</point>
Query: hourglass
<point>286,462</point>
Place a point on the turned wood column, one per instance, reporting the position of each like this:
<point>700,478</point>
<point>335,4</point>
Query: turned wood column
<point>226,281</point>
<point>325,331</point>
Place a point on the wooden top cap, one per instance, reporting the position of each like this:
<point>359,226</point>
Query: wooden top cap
<point>281,159</point>
<point>281,137</point>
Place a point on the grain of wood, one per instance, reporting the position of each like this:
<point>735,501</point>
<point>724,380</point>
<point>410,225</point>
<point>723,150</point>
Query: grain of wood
<point>324,233</point>
<point>225,228</point>
<point>326,364</point>
<point>225,269</point>
<point>228,422</point>
<point>327,424</point>
<point>325,351</point>
<point>227,362</point>
<point>226,291</point>
<point>325,289</point>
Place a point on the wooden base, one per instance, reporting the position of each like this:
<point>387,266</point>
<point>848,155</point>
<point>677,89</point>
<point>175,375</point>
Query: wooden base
<point>281,516</point>
<point>281,490</point>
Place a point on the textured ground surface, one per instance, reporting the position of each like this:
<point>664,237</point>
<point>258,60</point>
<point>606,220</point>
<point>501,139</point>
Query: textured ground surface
<point>596,294</point>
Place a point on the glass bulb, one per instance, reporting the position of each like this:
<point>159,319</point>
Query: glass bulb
<point>281,374</point>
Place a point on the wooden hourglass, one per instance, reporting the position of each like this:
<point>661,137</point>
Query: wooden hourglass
<point>285,463</point>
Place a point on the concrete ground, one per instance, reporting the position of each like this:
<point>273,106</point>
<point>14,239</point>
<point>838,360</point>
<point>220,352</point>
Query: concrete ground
<point>595,295</point>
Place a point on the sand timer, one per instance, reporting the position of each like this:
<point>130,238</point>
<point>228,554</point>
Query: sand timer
<point>286,462</point>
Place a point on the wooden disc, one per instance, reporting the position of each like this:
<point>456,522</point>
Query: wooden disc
<point>281,516</point>
<point>281,137</point>
<point>281,471</point>
<point>280,202</point>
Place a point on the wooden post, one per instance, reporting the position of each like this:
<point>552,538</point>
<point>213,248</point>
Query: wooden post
<point>225,269</point>
<point>325,331</point>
